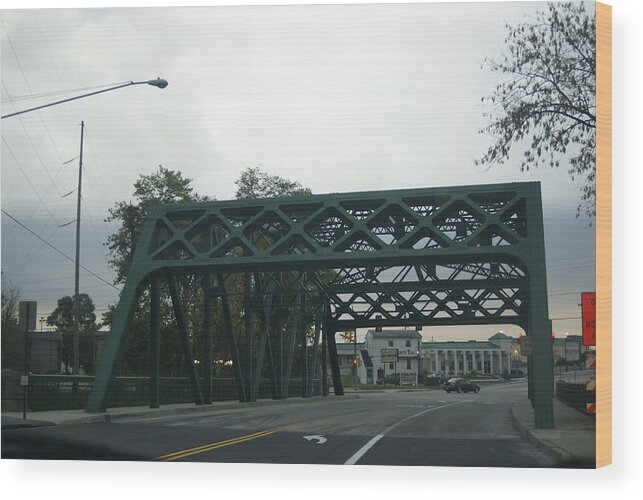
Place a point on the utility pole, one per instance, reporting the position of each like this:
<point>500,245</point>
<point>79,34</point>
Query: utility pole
<point>77,276</point>
<point>25,380</point>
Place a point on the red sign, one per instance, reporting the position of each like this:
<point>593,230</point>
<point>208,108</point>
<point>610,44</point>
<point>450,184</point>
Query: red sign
<point>588,307</point>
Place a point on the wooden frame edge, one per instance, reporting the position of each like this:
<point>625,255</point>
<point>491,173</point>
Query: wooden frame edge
<point>603,234</point>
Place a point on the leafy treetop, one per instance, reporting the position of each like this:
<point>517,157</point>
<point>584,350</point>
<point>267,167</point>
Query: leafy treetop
<point>63,316</point>
<point>162,186</point>
<point>255,183</point>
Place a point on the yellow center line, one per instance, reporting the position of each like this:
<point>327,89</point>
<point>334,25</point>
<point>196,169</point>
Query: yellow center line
<point>198,449</point>
<point>214,446</point>
<point>248,437</point>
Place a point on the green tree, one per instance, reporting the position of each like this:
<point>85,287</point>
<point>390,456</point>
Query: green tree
<point>12,346</point>
<point>169,187</point>
<point>163,186</point>
<point>255,183</point>
<point>62,318</point>
<point>548,99</point>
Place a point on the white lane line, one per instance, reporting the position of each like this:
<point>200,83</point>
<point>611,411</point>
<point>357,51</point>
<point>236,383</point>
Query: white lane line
<point>353,460</point>
<point>360,453</point>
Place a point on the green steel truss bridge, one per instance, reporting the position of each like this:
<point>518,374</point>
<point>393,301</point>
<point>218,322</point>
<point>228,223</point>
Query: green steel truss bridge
<point>284,275</point>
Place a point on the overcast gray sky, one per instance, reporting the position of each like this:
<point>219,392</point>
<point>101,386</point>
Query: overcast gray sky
<point>339,98</point>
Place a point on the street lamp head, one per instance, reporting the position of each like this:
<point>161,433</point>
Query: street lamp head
<point>159,82</point>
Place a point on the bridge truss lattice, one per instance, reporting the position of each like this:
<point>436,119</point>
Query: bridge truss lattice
<point>299,270</point>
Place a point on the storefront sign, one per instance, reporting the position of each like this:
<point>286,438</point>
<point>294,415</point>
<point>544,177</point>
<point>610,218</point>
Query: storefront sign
<point>388,355</point>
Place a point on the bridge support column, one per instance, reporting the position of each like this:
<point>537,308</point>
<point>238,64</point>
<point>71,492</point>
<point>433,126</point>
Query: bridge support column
<point>207,341</point>
<point>304,350</point>
<point>101,390</point>
<point>155,343</point>
<point>265,302</point>
<point>247,316</point>
<point>541,366</point>
<point>315,349</point>
<point>295,319</point>
<point>188,357</point>
<point>324,367</point>
<point>232,340</point>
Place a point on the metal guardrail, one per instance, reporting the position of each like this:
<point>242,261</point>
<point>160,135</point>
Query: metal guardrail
<point>69,392</point>
<point>575,395</point>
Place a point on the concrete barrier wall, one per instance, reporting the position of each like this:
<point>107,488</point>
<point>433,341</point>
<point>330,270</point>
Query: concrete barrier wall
<point>575,395</point>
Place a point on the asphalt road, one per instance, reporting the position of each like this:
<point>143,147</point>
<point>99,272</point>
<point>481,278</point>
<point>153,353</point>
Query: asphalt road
<point>380,428</point>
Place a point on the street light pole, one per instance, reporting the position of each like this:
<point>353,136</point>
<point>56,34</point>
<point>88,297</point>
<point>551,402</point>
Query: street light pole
<point>158,82</point>
<point>161,84</point>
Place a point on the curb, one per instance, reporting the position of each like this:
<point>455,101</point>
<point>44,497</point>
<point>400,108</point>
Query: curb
<point>554,450</point>
<point>187,410</point>
<point>33,424</point>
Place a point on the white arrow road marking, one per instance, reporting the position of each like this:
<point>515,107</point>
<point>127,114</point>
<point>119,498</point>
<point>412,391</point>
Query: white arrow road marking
<point>318,438</point>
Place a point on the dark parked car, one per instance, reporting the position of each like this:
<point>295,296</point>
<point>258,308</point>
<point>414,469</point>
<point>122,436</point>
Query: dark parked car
<point>434,381</point>
<point>461,385</point>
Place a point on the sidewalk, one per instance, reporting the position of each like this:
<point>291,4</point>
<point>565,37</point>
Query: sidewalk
<point>573,440</point>
<point>13,420</point>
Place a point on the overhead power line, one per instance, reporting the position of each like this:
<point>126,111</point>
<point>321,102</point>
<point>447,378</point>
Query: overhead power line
<point>51,215</point>
<point>56,92</point>
<point>69,161</point>
<point>57,250</point>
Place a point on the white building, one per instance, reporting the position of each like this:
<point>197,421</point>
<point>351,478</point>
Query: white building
<point>416,358</point>
<point>462,358</point>
<point>372,367</point>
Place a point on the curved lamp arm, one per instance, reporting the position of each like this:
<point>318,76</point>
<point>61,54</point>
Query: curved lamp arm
<point>158,82</point>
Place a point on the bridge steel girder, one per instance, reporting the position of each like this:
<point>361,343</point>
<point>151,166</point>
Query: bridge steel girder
<point>491,233</point>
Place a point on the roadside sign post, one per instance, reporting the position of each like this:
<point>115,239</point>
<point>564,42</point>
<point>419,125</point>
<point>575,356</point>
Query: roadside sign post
<point>24,382</point>
<point>388,355</point>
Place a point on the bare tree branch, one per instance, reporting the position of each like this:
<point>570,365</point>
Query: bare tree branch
<point>549,95</point>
